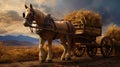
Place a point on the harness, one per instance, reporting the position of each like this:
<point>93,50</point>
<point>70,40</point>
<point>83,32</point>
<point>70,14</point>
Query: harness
<point>70,30</point>
<point>49,25</point>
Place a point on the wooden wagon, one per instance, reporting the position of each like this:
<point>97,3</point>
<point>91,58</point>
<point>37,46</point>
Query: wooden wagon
<point>85,39</point>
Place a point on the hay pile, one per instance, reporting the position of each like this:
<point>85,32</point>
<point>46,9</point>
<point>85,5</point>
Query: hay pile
<point>113,31</point>
<point>88,17</point>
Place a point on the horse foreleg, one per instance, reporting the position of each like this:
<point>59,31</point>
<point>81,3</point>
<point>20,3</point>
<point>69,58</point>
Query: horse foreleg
<point>49,48</point>
<point>65,49</point>
<point>42,53</point>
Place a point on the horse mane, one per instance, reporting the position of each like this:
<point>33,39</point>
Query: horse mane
<point>39,13</point>
<point>40,16</point>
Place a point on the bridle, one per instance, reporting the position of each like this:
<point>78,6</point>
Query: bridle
<point>29,21</point>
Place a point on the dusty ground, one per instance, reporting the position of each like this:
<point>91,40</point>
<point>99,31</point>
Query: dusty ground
<point>85,61</point>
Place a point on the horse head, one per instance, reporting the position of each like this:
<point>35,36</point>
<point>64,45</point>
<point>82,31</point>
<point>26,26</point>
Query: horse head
<point>28,16</point>
<point>31,15</point>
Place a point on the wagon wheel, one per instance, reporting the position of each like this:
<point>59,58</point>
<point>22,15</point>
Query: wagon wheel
<point>91,51</point>
<point>106,47</point>
<point>78,50</point>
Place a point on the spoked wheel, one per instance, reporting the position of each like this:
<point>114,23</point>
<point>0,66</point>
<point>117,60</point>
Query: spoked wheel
<point>78,50</point>
<point>106,46</point>
<point>91,51</point>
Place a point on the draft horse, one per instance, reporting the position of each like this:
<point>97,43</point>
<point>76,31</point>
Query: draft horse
<point>47,33</point>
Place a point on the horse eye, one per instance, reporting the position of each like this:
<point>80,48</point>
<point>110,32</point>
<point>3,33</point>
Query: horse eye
<point>23,14</point>
<point>31,14</point>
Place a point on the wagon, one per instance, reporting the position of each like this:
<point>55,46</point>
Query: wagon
<point>85,39</point>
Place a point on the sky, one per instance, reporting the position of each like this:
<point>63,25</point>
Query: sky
<point>11,21</point>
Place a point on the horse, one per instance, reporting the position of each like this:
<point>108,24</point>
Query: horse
<point>46,33</point>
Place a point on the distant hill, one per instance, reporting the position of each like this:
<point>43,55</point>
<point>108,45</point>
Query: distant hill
<point>19,38</point>
<point>22,40</point>
<point>18,43</point>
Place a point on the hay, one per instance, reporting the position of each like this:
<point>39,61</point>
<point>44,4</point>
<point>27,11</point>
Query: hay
<point>88,17</point>
<point>113,31</point>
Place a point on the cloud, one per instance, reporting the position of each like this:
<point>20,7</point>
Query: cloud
<point>11,12</point>
<point>15,28</point>
<point>47,6</point>
<point>11,24</point>
<point>9,16</point>
<point>59,8</point>
<point>12,5</point>
<point>53,7</point>
<point>109,9</point>
<point>2,31</point>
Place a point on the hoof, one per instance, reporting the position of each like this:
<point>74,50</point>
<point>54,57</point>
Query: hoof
<point>49,61</point>
<point>41,61</point>
<point>63,59</point>
<point>68,59</point>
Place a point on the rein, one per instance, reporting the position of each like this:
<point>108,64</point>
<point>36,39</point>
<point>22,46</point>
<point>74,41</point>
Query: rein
<point>42,28</point>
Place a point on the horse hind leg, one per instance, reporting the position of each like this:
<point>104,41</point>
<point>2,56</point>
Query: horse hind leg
<point>65,49</point>
<point>42,53</point>
<point>68,54</point>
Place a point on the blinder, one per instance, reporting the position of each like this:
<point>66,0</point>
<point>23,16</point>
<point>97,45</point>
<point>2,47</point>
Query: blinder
<point>32,16</point>
<point>23,15</point>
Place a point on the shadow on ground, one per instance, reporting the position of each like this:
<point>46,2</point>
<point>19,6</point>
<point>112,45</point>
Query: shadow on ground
<point>85,61</point>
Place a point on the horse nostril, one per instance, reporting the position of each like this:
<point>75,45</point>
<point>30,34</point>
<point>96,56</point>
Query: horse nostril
<point>25,25</point>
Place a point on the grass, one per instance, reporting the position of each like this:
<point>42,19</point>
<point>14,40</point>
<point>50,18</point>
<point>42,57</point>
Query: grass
<point>23,53</point>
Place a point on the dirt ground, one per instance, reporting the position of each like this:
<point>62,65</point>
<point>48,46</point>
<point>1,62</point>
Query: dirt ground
<point>85,61</point>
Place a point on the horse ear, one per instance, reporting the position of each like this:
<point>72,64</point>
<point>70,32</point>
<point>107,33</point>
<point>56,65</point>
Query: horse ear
<point>31,6</point>
<point>26,6</point>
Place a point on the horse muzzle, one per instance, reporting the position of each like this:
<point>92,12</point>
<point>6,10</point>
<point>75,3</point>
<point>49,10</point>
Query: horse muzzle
<point>26,23</point>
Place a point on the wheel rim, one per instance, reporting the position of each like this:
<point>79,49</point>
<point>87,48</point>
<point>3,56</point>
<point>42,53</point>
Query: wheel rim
<point>106,47</point>
<point>91,51</point>
<point>78,51</point>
